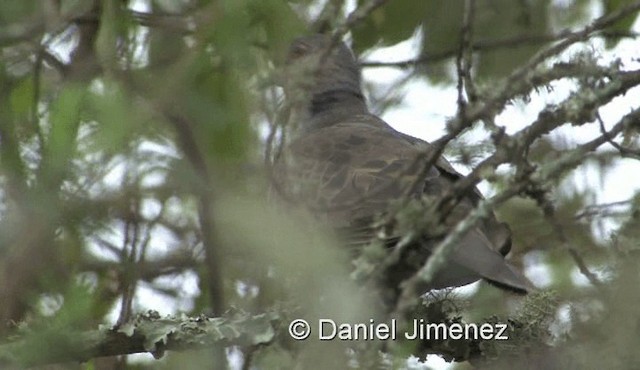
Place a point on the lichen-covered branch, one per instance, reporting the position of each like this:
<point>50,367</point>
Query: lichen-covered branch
<point>567,161</point>
<point>148,333</point>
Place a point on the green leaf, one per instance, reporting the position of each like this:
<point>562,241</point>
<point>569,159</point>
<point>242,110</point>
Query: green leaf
<point>623,25</point>
<point>107,38</point>
<point>12,11</point>
<point>117,118</point>
<point>279,24</point>
<point>61,142</point>
<point>394,22</point>
<point>503,19</point>
<point>217,95</point>
<point>494,20</point>
<point>22,97</point>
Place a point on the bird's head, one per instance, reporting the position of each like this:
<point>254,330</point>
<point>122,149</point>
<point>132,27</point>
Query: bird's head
<point>321,81</point>
<point>317,65</point>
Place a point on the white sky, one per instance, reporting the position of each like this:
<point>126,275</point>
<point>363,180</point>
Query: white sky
<point>425,109</point>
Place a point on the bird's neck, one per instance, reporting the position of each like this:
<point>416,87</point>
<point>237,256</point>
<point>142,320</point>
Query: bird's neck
<point>333,106</point>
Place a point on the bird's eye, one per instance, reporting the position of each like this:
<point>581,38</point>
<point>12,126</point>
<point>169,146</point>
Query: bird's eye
<point>298,50</point>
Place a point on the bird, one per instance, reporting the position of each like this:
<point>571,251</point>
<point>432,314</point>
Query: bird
<point>349,168</point>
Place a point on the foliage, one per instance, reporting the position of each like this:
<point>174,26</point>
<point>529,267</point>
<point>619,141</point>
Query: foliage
<point>133,142</point>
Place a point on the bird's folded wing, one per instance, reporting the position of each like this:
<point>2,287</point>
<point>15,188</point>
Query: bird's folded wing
<point>474,252</point>
<point>353,170</point>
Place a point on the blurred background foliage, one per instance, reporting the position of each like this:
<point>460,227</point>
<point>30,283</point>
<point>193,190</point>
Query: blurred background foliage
<point>132,138</point>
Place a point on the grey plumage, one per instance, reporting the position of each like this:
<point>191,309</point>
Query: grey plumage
<point>349,166</point>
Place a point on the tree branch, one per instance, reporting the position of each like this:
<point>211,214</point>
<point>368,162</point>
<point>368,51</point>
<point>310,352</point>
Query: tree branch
<point>438,258</point>
<point>147,333</point>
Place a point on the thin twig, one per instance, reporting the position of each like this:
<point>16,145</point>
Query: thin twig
<point>410,294</point>
<point>463,59</point>
<point>35,116</point>
<point>624,152</point>
<point>600,209</point>
<point>513,146</point>
<point>356,17</point>
<point>491,45</point>
<point>518,80</point>
<point>539,195</point>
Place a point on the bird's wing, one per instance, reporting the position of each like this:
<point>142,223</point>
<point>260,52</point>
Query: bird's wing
<point>475,252</point>
<point>351,172</point>
<point>497,232</point>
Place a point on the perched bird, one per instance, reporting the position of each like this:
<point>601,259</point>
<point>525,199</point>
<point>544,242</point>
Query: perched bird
<point>349,167</point>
